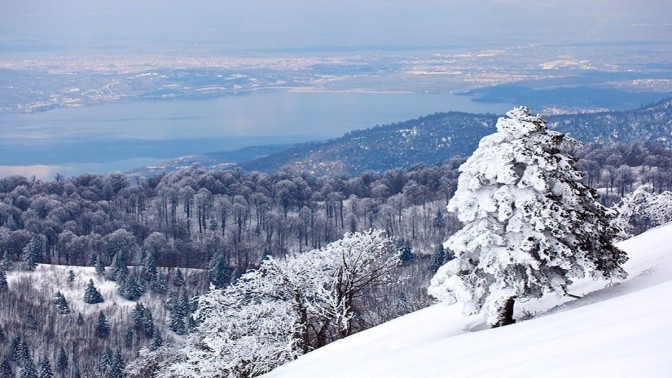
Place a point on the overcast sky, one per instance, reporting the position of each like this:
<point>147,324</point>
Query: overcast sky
<point>257,25</point>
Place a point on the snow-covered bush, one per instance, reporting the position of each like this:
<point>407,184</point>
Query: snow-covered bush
<point>283,309</point>
<point>643,209</point>
<point>530,225</point>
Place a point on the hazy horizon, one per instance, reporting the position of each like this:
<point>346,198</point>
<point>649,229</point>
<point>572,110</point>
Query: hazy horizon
<point>324,25</point>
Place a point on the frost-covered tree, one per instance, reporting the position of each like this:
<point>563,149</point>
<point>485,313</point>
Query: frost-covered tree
<point>45,368</point>
<point>71,276</point>
<point>61,361</point>
<point>643,209</point>
<point>530,225</point>
<point>61,303</point>
<point>31,253</point>
<point>91,294</point>
<point>438,258</point>
<point>6,262</point>
<point>178,281</point>
<point>6,368</point>
<point>3,280</point>
<point>157,340</point>
<point>102,329</point>
<point>285,308</point>
<point>28,368</point>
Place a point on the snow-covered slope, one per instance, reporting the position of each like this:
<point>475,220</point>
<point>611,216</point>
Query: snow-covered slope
<point>619,330</point>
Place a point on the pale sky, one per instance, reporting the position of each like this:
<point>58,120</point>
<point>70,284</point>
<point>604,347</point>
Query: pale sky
<point>265,25</point>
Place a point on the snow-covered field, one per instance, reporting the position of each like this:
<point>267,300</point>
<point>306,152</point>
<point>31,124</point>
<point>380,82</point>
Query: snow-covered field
<point>618,330</point>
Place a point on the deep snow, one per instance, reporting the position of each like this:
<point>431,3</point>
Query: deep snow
<point>615,330</point>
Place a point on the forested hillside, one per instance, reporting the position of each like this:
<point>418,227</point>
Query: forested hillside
<point>132,233</point>
<point>434,138</point>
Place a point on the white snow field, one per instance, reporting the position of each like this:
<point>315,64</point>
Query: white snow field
<point>619,330</point>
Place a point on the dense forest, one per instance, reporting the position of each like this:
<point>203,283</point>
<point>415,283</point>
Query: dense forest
<point>134,233</point>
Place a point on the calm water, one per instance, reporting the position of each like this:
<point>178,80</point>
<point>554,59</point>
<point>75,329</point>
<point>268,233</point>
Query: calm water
<point>124,135</point>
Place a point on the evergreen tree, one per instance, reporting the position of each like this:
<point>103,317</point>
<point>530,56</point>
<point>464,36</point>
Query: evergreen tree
<point>530,225</point>
<point>106,360</point>
<point>138,317</point>
<point>439,221</point>
<point>219,271</point>
<point>129,287</point>
<point>31,253</point>
<point>98,264</point>
<point>80,319</point>
<point>76,373</point>
<point>157,340</point>
<point>158,285</point>
<point>116,369</point>
<point>28,369</point>
<point>45,368</point>
<point>102,330</point>
<point>24,354</point>
<point>177,323</point>
<point>71,276</point>
<point>438,257</point>
<point>6,261</point>
<point>112,364</point>
<point>178,281</point>
<point>31,321</point>
<point>61,303</point>
<point>183,304</point>
<point>405,250</point>
<point>118,268</point>
<point>128,339</point>
<point>6,368</point>
<point>3,280</point>
<point>15,349</point>
<point>148,323</point>
<point>92,295</point>
<point>61,362</point>
<point>149,267</point>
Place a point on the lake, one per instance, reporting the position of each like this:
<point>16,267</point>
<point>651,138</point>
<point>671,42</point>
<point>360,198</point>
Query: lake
<point>127,134</point>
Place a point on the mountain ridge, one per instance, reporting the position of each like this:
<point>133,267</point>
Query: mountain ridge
<point>440,136</point>
<point>426,140</point>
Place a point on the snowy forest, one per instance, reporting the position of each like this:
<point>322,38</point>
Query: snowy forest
<point>132,259</point>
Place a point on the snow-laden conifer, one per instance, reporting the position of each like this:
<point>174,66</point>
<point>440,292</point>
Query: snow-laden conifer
<point>530,225</point>
<point>92,295</point>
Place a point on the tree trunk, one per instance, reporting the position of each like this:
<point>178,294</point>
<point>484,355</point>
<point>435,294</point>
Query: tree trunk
<point>506,313</point>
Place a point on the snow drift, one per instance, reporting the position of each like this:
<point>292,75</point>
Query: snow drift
<point>619,329</point>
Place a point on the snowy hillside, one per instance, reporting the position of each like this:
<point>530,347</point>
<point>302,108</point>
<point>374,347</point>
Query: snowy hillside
<point>621,330</point>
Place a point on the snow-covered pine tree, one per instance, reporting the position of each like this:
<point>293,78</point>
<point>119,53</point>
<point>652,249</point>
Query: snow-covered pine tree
<point>530,225</point>
<point>438,258</point>
<point>178,281</point>
<point>3,280</point>
<point>28,368</point>
<point>6,262</point>
<point>157,340</point>
<point>31,253</point>
<point>102,329</point>
<point>61,303</point>
<point>6,368</point>
<point>45,368</point>
<point>92,295</point>
<point>62,362</point>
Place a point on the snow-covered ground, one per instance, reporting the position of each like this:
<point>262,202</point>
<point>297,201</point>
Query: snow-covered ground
<point>619,330</point>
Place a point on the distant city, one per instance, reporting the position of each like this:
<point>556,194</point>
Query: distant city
<point>45,81</point>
